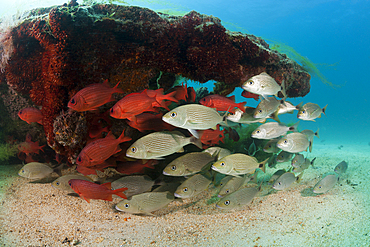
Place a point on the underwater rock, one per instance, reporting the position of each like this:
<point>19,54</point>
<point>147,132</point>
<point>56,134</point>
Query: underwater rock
<point>59,50</point>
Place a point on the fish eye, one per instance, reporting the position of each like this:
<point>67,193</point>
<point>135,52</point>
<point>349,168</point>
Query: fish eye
<point>303,111</point>
<point>260,111</point>
<point>227,202</point>
<point>22,171</point>
<point>258,131</point>
<point>133,149</point>
<point>320,187</point>
<point>20,112</point>
<point>69,183</point>
<point>73,101</point>
<point>127,205</point>
<point>111,110</point>
<point>173,114</point>
<point>79,159</point>
<point>173,168</point>
<point>185,189</point>
<point>285,141</point>
<point>250,82</point>
<point>222,164</point>
<point>227,191</point>
<point>57,183</point>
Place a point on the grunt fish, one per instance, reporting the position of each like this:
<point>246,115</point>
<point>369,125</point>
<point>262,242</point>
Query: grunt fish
<point>237,199</point>
<point>217,152</point>
<point>271,147</point>
<point>233,185</point>
<point>272,130</point>
<point>326,183</point>
<point>145,203</point>
<point>193,186</point>
<point>61,183</point>
<point>238,164</point>
<point>136,184</point>
<point>284,156</point>
<point>304,165</point>
<point>35,170</point>
<point>341,167</point>
<point>286,180</point>
<point>159,144</point>
<point>298,160</point>
<point>264,85</point>
<point>310,134</point>
<point>188,164</point>
<point>245,117</point>
<point>294,143</point>
<point>288,107</point>
<point>310,111</point>
<point>268,108</point>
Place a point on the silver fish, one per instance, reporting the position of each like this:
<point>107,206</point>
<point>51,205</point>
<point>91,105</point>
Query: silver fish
<point>136,184</point>
<point>237,199</point>
<point>193,186</point>
<point>276,175</point>
<point>294,143</point>
<point>188,164</point>
<point>272,130</point>
<point>341,167</point>
<point>159,144</point>
<point>263,84</point>
<point>233,185</point>
<point>271,147</point>
<point>288,107</point>
<point>61,183</point>
<point>268,107</point>
<point>193,117</point>
<point>217,152</point>
<point>170,187</point>
<point>298,160</point>
<point>310,111</point>
<point>145,203</point>
<point>304,165</point>
<point>286,180</point>
<point>326,183</point>
<point>35,170</point>
<point>284,156</point>
<point>245,117</point>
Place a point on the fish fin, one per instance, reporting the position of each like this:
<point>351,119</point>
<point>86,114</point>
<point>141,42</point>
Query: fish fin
<point>119,192</point>
<point>317,133</point>
<point>324,109</point>
<point>275,116</point>
<point>299,178</point>
<point>294,127</point>
<point>123,138</point>
<point>148,213</point>
<point>299,106</point>
<point>262,165</point>
<point>241,106</point>
<point>266,97</point>
<point>312,161</point>
<point>107,185</point>
<point>181,150</point>
<point>194,133</point>
<point>58,169</point>
<point>310,146</point>
<point>196,142</point>
<point>86,199</point>
<point>283,89</point>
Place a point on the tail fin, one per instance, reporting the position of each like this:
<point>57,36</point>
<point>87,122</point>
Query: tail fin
<point>241,106</point>
<point>294,127</point>
<point>283,89</point>
<point>317,133</point>
<point>262,165</point>
<point>123,138</point>
<point>116,89</point>
<point>119,193</point>
<point>324,109</point>
<point>196,142</point>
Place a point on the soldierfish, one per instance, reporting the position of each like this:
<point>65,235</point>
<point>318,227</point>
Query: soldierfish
<point>211,137</point>
<point>98,151</point>
<point>29,147</point>
<point>89,190</point>
<point>222,103</point>
<point>93,96</point>
<point>31,115</point>
<point>247,94</point>
<point>131,167</point>
<point>150,121</point>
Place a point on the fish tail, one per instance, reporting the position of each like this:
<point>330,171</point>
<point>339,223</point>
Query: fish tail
<point>123,138</point>
<point>171,97</point>
<point>196,142</point>
<point>299,178</point>
<point>241,106</point>
<point>283,89</point>
<point>116,89</point>
<point>119,192</point>
<point>312,161</point>
<point>317,133</point>
<point>262,165</point>
<point>299,106</point>
<point>294,127</point>
<point>324,109</point>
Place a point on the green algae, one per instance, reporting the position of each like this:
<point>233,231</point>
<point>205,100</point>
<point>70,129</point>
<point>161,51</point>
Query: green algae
<point>7,151</point>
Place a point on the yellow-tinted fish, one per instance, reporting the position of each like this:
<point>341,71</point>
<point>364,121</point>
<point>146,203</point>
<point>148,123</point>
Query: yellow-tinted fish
<point>238,164</point>
<point>233,185</point>
<point>193,117</point>
<point>35,170</point>
<point>145,203</point>
<point>271,147</point>
<point>188,164</point>
<point>159,144</point>
<point>286,180</point>
<point>294,143</point>
<point>193,186</point>
<point>263,84</point>
<point>284,156</point>
<point>61,183</point>
<point>288,107</point>
<point>268,108</point>
<point>272,130</point>
<point>245,117</point>
<point>298,160</point>
<point>326,183</point>
<point>341,167</point>
<point>136,184</point>
<point>304,165</point>
<point>237,199</point>
<point>276,175</point>
<point>310,111</point>
<point>217,152</point>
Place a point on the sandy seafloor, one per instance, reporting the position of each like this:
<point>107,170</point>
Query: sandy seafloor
<point>34,214</point>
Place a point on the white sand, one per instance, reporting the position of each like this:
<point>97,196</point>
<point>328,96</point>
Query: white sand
<point>37,214</point>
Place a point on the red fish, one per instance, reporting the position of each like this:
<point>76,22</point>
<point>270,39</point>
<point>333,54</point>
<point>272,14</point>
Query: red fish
<point>89,190</point>
<point>98,151</point>
<point>191,94</point>
<point>148,121</point>
<point>181,92</point>
<point>29,147</point>
<point>247,94</point>
<point>161,97</point>
<point>210,136</point>
<point>222,103</point>
<point>131,167</point>
<point>93,96</point>
<point>92,169</point>
<point>31,115</point>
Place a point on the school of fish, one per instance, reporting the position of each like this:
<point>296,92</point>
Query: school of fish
<point>171,121</point>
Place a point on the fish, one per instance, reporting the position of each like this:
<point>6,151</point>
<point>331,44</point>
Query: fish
<point>310,112</point>
<point>284,156</point>
<point>136,184</point>
<point>298,160</point>
<point>304,165</point>
<point>29,147</point>
<point>222,103</point>
<point>219,180</point>
<point>247,94</point>
<point>233,135</point>
<point>212,137</point>
<point>61,183</point>
<point>341,168</point>
<point>245,117</point>
<point>193,186</point>
<point>294,143</point>
<point>276,175</point>
<point>35,170</point>
<point>271,147</point>
<point>237,199</point>
<point>288,107</point>
<point>238,164</point>
<point>188,164</point>
<point>193,117</point>
<point>89,190</point>
<point>326,183</point>
<point>31,115</point>
<point>145,203</point>
<point>286,180</point>
<point>272,161</point>
<point>310,134</point>
<point>272,130</point>
<point>150,121</point>
<point>233,185</point>
<point>217,152</point>
<point>159,144</point>
<point>93,96</point>
<point>98,151</point>
<point>268,108</point>
<point>170,187</point>
<point>131,167</point>
<point>264,85</point>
